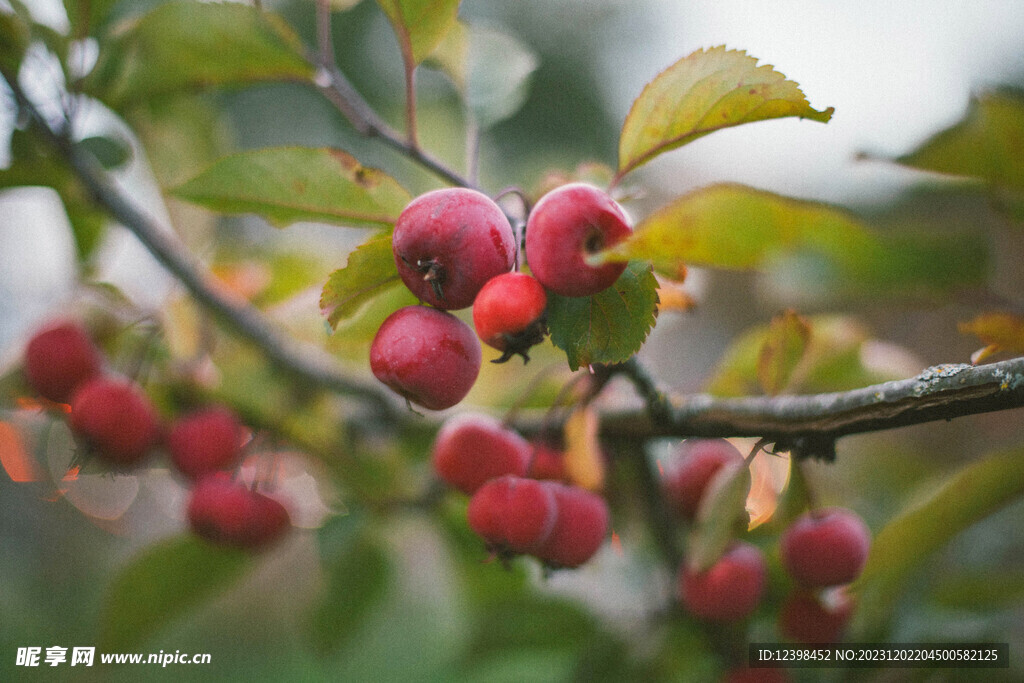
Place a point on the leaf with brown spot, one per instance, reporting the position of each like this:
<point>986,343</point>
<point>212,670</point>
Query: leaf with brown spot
<point>290,184</point>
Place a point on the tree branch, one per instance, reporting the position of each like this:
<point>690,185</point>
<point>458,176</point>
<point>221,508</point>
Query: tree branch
<point>306,363</point>
<point>334,86</point>
<point>810,424</point>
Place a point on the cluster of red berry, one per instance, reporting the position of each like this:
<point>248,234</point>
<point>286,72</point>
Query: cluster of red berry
<point>821,551</point>
<point>115,421</point>
<point>454,248</point>
<point>520,502</point>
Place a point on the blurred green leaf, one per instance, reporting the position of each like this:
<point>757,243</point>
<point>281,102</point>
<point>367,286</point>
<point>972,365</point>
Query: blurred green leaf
<point>523,666</point>
<point>832,360</point>
<point>88,17</point>
<point>165,582</point>
<point>420,25</point>
<point>182,135</point>
<point>110,152</point>
<point>704,92</point>
<point>15,38</point>
<point>183,46</point>
<point>985,144</point>
<point>737,227</point>
<point>491,69</point>
<point>370,270</point>
<point>528,622</point>
<point>358,573</point>
<point>721,515</point>
<point>608,327</point>
<point>783,349</point>
<point>986,590</point>
<point>907,541</point>
<point>289,184</point>
<point>33,163</point>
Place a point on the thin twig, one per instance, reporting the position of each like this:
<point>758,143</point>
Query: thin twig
<point>340,92</point>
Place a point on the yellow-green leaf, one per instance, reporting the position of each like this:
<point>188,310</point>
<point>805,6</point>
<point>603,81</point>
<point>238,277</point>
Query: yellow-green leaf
<point>833,360</point>
<point>738,227</point>
<point>370,271</point>
<point>181,46</point>
<point>788,336</point>
<point>986,144</point>
<point>721,515</point>
<point>999,331</point>
<point>289,184</point>
<point>420,25</point>
<point>584,459</point>
<point>704,92</point>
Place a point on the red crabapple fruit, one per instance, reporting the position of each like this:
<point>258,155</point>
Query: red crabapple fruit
<point>696,464</point>
<point>546,462</point>
<point>825,547</point>
<point>508,314</point>
<point>205,441</point>
<point>512,513</point>
<point>448,243</point>
<point>228,513</point>
<point>566,226</point>
<point>581,523</point>
<point>812,620</point>
<point>471,449</point>
<point>428,356</point>
<point>116,419</point>
<point>59,358</point>
<point>729,590</point>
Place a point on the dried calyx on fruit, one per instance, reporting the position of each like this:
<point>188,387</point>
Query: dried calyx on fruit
<point>509,314</point>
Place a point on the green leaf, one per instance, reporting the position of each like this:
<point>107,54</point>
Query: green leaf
<point>738,227</point>
<point>181,46</point>
<point>33,163</point>
<point>986,144</point>
<point>289,184</point>
<point>788,336</point>
<point>984,591</point>
<point>907,541</point>
<point>110,152</point>
<point>164,583</point>
<point>721,515</point>
<point>370,271</point>
<point>88,17</point>
<point>832,360</point>
<point>608,327</point>
<point>358,572</point>
<point>420,25</point>
<point>491,69</point>
<point>704,92</point>
<point>15,37</point>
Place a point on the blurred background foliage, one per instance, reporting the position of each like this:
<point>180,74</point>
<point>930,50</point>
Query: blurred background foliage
<point>401,592</point>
